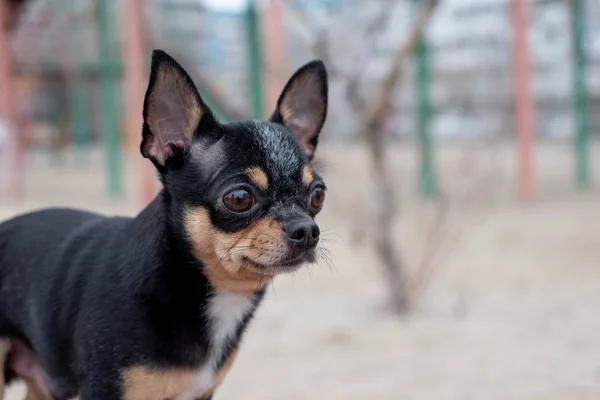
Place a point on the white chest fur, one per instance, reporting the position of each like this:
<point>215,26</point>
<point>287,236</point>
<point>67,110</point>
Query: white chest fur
<point>225,313</point>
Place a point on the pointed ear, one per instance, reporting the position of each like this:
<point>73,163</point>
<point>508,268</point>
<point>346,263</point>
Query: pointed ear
<point>302,106</point>
<point>173,110</point>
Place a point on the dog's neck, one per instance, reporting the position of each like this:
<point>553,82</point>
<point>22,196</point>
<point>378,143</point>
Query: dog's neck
<point>176,280</point>
<point>168,262</point>
<point>206,323</point>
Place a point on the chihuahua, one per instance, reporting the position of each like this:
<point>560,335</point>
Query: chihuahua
<point>154,307</point>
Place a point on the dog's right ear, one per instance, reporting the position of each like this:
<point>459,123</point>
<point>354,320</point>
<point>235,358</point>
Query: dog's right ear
<point>173,110</point>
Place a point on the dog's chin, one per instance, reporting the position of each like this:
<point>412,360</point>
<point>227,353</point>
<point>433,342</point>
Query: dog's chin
<point>284,266</point>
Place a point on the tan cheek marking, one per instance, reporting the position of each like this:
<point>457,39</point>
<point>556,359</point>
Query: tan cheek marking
<point>307,176</point>
<point>141,383</point>
<point>258,178</point>
<point>211,248</point>
<point>263,241</point>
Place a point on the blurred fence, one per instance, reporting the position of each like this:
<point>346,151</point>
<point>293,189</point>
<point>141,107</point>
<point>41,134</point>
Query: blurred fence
<point>69,82</point>
<point>69,62</point>
<point>61,50</point>
<point>469,62</point>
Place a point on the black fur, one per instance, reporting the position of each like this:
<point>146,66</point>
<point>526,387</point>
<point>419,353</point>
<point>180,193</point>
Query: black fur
<point>92,295</point>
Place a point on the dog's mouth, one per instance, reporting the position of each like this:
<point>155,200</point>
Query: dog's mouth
<point>284,266</point>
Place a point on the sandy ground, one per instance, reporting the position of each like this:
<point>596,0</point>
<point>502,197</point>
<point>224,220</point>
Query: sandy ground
<point>511,312</point>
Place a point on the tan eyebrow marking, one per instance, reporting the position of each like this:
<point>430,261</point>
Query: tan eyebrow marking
<point>258,177</point>
<point>307,176</point>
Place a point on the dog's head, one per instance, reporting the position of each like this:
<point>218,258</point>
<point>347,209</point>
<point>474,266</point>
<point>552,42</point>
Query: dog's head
<point>246,191</point>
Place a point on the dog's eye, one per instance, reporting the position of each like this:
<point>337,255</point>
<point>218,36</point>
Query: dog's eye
<point>317,198</point>
<point>238,200</point>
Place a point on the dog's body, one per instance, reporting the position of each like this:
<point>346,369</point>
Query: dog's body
<point>120,303</point>
<point>153,307</point>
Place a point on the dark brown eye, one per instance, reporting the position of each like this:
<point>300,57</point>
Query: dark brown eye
<point>317,198</point>
<point>238,200</point>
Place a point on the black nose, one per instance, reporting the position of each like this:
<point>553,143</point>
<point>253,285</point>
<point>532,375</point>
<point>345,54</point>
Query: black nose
<point>303,233</point>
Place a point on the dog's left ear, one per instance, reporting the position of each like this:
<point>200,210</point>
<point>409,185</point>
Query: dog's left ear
<point>302,106</point>
<point>173,110</point>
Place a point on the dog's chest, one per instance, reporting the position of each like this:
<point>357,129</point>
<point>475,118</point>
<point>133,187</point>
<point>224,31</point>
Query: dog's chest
<point>225,313</point>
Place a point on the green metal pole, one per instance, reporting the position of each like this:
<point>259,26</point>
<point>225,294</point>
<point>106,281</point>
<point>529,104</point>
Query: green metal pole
<point>108,97</point>
<point>77,97</point>
<point>427,185</point>
<point>255,58</point>
<point>79,112</point>
<point>580,106</point>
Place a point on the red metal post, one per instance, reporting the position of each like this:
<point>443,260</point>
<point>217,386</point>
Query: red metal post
<point>135,66</point>
<point>9,141</point>
<point>274,74</point>
<point>524,106</point>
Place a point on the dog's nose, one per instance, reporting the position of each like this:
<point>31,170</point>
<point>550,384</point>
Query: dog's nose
<point>303,233</point>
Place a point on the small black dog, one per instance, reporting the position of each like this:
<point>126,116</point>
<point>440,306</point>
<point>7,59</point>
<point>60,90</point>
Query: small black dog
<point>153,307</point>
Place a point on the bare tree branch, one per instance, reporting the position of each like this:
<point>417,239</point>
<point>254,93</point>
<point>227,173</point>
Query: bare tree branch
<point>316,34</point>
<point>374,132</point>
<point>436,239</point>
<point>357,101</point>
<point>381,104</point>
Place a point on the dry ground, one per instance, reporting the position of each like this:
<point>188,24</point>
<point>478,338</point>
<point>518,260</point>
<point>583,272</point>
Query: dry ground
<point>512,311</point>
